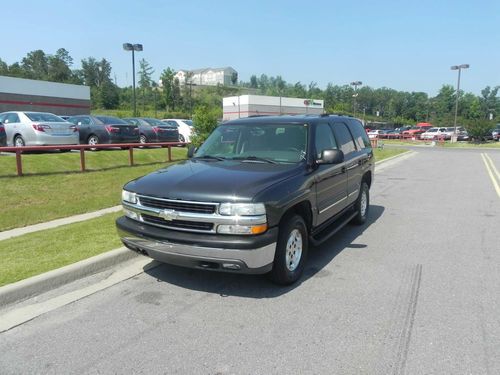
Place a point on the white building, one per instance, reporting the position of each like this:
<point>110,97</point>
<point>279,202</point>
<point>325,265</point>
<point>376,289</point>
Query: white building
<point>253,105</point>
<point>207,76</point>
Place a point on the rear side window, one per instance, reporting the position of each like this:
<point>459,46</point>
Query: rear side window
<point>11,118</point>
<point>344,138</point>
<point>324,139</point>
<point>359,135</point>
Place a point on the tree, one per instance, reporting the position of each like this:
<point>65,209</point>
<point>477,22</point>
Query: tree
<point>167,80</point>
<point>145,73</point>
<point>477,129</point>
<point>35,65</point>
<point>253,82</point>
<point>59,66</point>
<point>204,122</point>
<point>234,78</point>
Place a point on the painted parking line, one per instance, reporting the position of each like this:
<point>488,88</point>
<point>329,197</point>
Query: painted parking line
<point>492,172</point>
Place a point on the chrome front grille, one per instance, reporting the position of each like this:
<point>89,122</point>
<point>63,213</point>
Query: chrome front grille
<point>178,224</point>
<point>183,206</point>
<point>187,216</point>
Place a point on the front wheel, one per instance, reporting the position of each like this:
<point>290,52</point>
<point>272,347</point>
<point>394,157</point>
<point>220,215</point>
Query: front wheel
<point>362,204</point>
<point>291,251</point>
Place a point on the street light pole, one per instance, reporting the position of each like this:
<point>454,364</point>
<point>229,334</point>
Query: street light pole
<point>133,48</point>
<point>459,68</point>
<point>355,84</point>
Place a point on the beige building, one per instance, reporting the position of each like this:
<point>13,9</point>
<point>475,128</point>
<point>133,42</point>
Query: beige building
<point>207,76</point>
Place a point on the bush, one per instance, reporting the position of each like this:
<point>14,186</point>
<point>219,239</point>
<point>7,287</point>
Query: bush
<point>479,129</point>
<point>204,122</point>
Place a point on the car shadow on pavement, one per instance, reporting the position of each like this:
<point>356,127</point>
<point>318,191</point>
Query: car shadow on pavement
<point>258,286</point>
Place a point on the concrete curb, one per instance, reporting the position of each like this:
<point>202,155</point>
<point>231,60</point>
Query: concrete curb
<point>393,157</point>
<point>39,284</point>
<point>57,223</point>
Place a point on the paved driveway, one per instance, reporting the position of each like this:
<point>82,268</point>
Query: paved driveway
<point>416,291</point>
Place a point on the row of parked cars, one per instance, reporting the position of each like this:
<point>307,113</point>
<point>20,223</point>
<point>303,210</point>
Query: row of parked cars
<point>429,133</point>
<point>39,128</point>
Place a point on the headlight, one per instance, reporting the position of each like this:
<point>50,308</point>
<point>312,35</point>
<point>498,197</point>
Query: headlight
<point>128,196</point>
<point>242,209</point>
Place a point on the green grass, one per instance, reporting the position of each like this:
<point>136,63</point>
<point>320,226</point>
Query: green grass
<point>58,191</point>
<point>381,154</point>
<point>39,252</point>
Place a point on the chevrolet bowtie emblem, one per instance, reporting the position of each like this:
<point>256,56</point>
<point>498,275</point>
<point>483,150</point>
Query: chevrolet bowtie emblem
<point>169,215</point>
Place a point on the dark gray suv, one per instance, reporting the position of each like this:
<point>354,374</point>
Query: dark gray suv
<point>254,196</point>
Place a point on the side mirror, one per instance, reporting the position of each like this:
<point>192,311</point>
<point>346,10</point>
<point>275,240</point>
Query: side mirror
<point>191,151</point>
<point>331,157</point>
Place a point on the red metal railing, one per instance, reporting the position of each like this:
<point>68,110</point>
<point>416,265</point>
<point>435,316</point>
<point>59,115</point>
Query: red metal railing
<point>130,146</point>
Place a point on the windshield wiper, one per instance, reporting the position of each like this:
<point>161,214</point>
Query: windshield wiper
<point>211,157</point>
<point>254,158</point>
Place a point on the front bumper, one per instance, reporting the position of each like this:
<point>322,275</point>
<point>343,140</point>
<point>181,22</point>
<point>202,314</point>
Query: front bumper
<point>246,254</point>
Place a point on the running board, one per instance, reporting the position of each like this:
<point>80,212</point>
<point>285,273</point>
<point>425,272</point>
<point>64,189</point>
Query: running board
<point>329,231</point>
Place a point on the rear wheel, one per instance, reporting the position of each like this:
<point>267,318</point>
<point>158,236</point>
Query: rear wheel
<point>362,204</point>
<point>143,139</point>
<point>93,140</point>
<point>19,141</point>
<point>291,251</point>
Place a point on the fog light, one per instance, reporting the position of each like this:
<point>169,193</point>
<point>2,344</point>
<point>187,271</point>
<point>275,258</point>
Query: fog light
<point>131,214</point>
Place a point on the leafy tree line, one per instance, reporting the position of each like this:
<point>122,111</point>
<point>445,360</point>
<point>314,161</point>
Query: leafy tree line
<point>170,95</point>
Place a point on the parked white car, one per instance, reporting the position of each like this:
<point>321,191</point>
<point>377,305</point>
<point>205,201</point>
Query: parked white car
<point>38,129</point>
<point>373,134</point>
<point>185,128</point>
<point>434,133</point>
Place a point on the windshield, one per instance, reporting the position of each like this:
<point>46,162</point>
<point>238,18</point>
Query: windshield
<point>282,143</point>
<point>189,122</point>
<point>45,117</point>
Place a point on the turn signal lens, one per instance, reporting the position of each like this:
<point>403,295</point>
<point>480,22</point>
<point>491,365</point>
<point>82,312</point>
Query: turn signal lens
<point>242,229</point>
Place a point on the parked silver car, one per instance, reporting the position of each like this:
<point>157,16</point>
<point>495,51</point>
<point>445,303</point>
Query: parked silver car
<point>38,129</point>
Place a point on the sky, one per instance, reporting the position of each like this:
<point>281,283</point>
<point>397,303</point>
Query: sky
<point>403,45</point>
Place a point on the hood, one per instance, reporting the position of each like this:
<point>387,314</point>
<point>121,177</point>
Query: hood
<point>213,181</point>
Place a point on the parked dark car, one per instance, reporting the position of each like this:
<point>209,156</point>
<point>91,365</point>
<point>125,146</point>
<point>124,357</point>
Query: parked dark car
<point>152,130</point>
<point>254,196</point>
<point>104,129</point>
<point>3,136</point>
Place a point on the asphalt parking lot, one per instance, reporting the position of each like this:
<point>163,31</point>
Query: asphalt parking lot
<point>415,291</point>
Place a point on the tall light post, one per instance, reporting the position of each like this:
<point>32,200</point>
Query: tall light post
<point>459,68</point>
<point>133,48</point>
<point>355,84</point>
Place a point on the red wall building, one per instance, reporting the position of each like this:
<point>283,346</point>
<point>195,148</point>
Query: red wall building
<point>19,94</point>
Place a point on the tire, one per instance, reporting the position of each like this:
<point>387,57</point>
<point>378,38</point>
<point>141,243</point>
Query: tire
<point>93,140</point>
<point>19,141</point>
<point>181,138</point>
<point>143,139</point>
<point>291,251</point>
<point>362,205</point>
